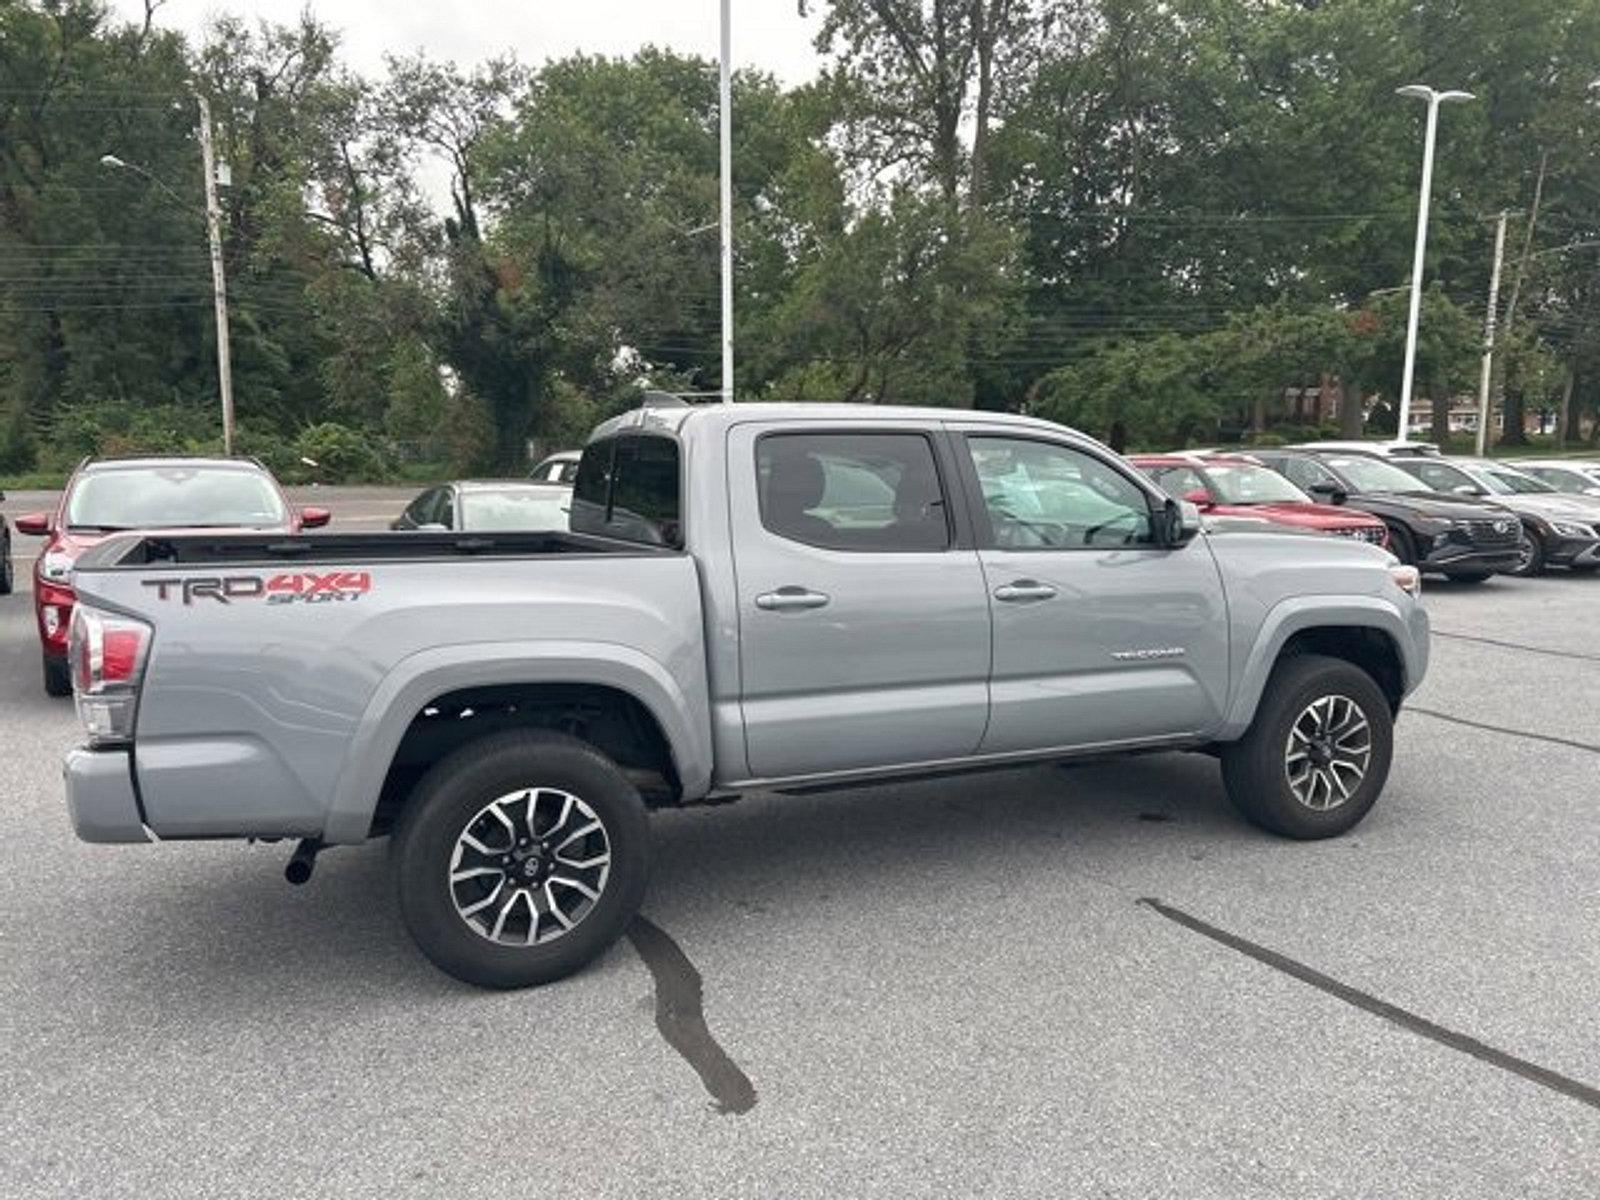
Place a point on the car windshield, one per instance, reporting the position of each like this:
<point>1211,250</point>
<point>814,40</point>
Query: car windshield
<point>1442,477</point>
<point>1246,483</point>
<point>502,510</point>
<point>175,497</point>
<point>1562,479</point>
<point>1372,474</point>
<point>1516,483</point>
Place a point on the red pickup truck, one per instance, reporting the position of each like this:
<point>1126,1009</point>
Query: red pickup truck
<point>1227,486</point>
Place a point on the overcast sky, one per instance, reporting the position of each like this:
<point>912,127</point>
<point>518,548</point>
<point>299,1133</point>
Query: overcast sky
<point>768,34</point>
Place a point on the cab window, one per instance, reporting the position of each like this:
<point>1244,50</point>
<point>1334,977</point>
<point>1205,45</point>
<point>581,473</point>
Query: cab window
<point>1046,496</point>
<point>853,491</point>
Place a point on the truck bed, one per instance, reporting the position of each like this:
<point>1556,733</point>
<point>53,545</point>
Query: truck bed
<point>198,549</point>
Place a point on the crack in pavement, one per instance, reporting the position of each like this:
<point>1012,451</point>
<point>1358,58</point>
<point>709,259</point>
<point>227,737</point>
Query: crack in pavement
<point>1520,733</point>
<point>1526,649</point>
<point>680,1016</point>
<point>1394,1014</point>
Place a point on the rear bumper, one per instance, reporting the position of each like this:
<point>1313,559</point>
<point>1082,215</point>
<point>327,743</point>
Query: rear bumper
<point>100,796</point>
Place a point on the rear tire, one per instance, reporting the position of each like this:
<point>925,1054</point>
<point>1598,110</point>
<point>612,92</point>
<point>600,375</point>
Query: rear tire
<point>8,577</point>
<point>57,676</point>
<point>1402,546</point>
<point>1316,758</point>
<point>568,878</point>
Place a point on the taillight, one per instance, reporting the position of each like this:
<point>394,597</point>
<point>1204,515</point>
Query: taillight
<point>107,655</point>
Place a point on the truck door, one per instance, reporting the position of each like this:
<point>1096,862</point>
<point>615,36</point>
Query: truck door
<point>863,615</point>
<point>1100,634</point>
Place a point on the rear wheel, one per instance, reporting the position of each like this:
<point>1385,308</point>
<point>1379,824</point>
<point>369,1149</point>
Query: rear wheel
<point>57,676</point>
<point>1317,756</point>
<point>520,858</point>
<point>8,578</point>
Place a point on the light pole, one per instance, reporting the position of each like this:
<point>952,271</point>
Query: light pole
<point>1418,91</point>
<point>219,282</point>
<point>725,171</point>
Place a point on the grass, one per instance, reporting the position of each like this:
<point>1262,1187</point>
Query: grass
<point>29,481</point>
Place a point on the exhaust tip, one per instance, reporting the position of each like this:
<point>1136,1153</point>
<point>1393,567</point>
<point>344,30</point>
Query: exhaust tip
<point>298,869</point>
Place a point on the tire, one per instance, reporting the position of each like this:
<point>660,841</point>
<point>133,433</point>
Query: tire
<point>478,795</point>
<point>1472,576</point>
<point>8,572</point>
<point>57,676</point>
<point>1402,545</point>
<point>1533,564</point>
<point>1257,768</point>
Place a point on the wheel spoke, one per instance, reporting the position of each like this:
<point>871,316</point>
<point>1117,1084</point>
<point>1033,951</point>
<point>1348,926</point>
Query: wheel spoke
<point>482,884</point>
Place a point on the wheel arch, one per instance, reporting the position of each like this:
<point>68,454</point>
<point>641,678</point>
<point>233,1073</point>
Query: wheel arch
<point>644,712</point>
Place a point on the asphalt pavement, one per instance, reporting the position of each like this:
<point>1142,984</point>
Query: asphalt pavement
<point>1093,981</point>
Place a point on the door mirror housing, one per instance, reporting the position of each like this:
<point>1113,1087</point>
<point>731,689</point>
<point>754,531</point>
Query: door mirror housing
<point>1199,497</point>
<point>1177,523</point>
<point>34,524</point>
<point>312,517</point>
<point>1467,489</point>
<point>1331,492</point>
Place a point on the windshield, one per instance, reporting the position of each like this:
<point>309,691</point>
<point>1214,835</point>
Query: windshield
<point>1442,477</point>
<point>513,508</point>
<point>1562,479</point>
<point>1246,483</point>
<point>1515,482</point>
<point>1372,474</point>
<point>176,497</point>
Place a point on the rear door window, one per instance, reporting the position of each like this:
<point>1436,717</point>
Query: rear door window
<point>853,491</point>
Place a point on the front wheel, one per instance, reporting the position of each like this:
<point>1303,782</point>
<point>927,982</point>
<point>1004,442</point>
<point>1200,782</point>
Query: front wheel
<point>8,578</point>
<point>1530,559</point>
<point>57,676</point>
<point>1317,755</point>
<point>519,858</point>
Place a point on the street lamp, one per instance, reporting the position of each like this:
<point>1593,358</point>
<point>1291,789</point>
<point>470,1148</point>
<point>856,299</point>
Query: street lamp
<point>1418,91</point>
<point>219,284</point>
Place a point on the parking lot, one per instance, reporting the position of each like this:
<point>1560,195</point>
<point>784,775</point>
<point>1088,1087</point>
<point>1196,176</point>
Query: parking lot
<point>1094,981</point>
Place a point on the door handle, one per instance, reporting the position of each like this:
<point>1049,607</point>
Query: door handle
<point>1024,590</point>
<point>786,599</point>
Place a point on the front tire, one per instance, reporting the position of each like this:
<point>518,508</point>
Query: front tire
<point>1316,758</point>
<point>57,676</point>
<point>519,858</point>
<point>1531,561</point>
<point>8,577</point>
<point>1402,545</point>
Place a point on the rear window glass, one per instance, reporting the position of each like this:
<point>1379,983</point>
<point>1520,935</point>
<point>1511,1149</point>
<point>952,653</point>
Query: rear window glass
<point>856,491</point>
<point>629,487</point>
<point>176,497</point>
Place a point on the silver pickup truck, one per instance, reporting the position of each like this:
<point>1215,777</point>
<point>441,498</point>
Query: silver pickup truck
<point>751,597</point>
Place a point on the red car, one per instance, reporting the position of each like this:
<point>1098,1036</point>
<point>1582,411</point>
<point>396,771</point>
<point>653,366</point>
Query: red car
<point>109,496</point>
<point>1237,487</point>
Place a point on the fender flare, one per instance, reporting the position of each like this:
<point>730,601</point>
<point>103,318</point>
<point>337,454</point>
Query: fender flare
<point>428,674</point>
<point>1298,614</point>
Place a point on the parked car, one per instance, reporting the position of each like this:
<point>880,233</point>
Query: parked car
<point>475,506</point>
<point>1462,537</point>
<point>724,616</point>
<point>1230,486</point>
<point>112,495</point>
<point>8,579</point>
<point>560,467</point>
<point>1574,476</point>
<point>1395,448</point>
<point>1560,530</point>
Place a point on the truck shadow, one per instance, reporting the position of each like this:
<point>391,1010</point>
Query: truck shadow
<point>230,934</point>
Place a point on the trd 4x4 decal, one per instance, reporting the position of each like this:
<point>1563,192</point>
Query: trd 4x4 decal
<point>299,587</point>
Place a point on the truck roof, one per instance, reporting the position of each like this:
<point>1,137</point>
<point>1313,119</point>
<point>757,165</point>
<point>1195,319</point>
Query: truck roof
<point>676,418</point>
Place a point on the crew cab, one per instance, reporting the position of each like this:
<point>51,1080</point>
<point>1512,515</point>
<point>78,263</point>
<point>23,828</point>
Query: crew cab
<point>750,597</point>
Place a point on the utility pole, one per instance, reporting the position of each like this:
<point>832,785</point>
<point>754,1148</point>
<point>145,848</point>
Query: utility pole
<point>725,131</point>
<point>1487,373</point>
<point>219,282</point>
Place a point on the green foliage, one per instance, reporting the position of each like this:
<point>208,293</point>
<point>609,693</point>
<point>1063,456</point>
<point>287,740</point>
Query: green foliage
<point>341,454</point>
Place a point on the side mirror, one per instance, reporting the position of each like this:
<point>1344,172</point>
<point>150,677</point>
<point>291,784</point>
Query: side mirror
<point>34,524</point>
<point>312,517</point>
<point>1466,489</point>
<point>1178,523</point>
<point>1331,492</point>
<point>1200,498</point>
